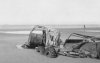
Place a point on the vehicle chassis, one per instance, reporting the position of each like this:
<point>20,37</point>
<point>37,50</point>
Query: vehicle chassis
<point>77,53</point>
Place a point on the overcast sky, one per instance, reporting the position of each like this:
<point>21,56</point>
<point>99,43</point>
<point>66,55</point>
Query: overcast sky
<point>49,12</point>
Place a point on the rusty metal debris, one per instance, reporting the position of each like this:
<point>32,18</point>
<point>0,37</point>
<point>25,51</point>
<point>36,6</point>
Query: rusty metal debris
<point>47,41</point>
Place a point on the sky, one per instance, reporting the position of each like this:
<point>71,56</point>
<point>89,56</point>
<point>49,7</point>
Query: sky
<point>49,12</point>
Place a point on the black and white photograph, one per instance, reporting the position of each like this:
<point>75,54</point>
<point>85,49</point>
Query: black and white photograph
<point>49,31</point>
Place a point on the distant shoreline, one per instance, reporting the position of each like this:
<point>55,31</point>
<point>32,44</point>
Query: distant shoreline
<point>53,26</point>
<point>27,32</point>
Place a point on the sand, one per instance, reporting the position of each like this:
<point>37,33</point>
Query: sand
<point>9,53</point>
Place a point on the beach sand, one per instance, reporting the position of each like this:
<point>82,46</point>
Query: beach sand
<point>9,53</point>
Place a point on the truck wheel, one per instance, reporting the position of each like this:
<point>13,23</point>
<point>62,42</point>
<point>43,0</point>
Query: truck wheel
<point>51,52</point>
<point>98,56</point>
<point>24,46</point>
<point>40,49</point>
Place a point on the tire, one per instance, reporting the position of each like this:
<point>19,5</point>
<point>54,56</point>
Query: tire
<point>98,50</point>
<point>98,55</point>
<point>51,52</point>
<point>24,46</point>
<point>40,49</point>
<point>31,46</point>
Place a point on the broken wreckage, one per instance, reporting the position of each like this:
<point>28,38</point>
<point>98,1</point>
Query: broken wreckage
<point>47,41</point>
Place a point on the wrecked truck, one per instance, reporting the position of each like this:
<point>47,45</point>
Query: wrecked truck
<point>44,40</point>
<point>47,41</point>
